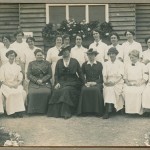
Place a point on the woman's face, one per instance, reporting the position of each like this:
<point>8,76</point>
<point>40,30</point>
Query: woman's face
<point>129,36</point>
<point>19,37</point>
<point>78,41</point>
<point>6,41</point>
<point>66,53</point>
<point>58,41</point>
<point>114,39</point>
<point>67,41</point>
<point>91,56</point>
<point>39,56</point>
<point>96,35</point>
<point>30,42</point>
<point>133,59</point>
<point>112,56</point>
<point>148,43</point>
<point>11,57</point>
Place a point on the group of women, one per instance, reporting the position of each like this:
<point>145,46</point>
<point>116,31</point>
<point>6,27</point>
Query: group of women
<point>74,80</point>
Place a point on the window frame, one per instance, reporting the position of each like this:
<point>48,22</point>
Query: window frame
<point>86,11</point>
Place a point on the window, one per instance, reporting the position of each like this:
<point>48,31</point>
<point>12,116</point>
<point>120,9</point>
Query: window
<point>55,13</point>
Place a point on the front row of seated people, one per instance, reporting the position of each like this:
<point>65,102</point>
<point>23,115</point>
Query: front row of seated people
<point>91,89</point>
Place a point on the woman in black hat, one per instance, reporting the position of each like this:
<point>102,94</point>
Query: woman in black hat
<point>11,79</point>
<point>68,82</point>
<point>113,72</point>
<point>91,98</point>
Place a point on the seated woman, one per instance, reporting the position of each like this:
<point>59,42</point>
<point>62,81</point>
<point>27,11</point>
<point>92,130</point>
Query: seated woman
<point>146,92</point>
<point>135,79</point>
<point>113,72</point>
<point>11,78</point>
<point>91,98</point>
<point>69,79</point>
<point>39,73</point>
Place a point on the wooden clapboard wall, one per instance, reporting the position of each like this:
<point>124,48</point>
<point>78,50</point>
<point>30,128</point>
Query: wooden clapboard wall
<point>33,19</point>
<point>122,17</point>
<point>142,23</point>
<point>9,19</point>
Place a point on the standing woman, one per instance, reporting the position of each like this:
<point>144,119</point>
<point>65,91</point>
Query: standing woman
<point>28,57</point>
<point>98,45</point>
<point>113,72</point>
<point>91,98</point>
<point>130,45</point>
<point>114,38</point>
<point>20,48</point>
<point>7,46</point>
<point>146,53</point>
<point>79,52</point>
<point>68,82</point>
<point>135,79</point>
<point>11,78</point>
<point>39,73</point>
<point>52,55</point>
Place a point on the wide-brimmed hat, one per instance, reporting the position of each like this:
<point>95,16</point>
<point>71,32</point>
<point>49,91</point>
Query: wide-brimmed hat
<point>92,51</point>
<point>68,48</point>
<point>112,50</point>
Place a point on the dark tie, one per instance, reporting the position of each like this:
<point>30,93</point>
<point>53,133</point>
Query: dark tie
<point>133,64</point>
<point>97,44</point>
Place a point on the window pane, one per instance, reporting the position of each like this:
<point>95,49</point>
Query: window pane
<point>77,12</point>
<point>57,14</point>
<point>97,12</point>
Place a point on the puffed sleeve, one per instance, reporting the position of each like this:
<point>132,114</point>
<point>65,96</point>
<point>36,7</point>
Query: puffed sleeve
<point>140,50</point>
<point>105,52</point>
<point>48,57</point>
<point>145,75</point>
<point>29,74</point>
<point>49,73</point>
<point>2,74</point>
<point>125,77</point>
<point>105,69</point>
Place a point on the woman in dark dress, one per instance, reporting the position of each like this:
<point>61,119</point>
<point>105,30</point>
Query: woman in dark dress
<point>39,73</point>
<point>68,82</point>
<point>91,98</point>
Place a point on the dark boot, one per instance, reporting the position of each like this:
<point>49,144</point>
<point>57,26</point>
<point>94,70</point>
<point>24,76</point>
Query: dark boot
<point>106,115</point>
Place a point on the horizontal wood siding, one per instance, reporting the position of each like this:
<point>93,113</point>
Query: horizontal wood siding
<point>9,19</point>
<point>33,19</point>
<point>122,17</point>
<point>142,23</point>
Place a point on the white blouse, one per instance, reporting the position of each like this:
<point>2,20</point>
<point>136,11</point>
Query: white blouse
<point>134,73</point>
<point>79,53</point>
<point>102,49</point>
<point>113,70</point>
<point>128,47</point>
<point>11,73</point>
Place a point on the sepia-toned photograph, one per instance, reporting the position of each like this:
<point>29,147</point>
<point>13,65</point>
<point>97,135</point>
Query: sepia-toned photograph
<point>74,74</point>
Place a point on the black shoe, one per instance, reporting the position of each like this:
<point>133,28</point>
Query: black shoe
<point>19,115</point>
<point>67,116</point>
<point>106,116</point>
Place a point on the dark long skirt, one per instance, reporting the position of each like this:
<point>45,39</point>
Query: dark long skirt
<point>63,102</point>
<point>38,99</point>
<point>91,101</point>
